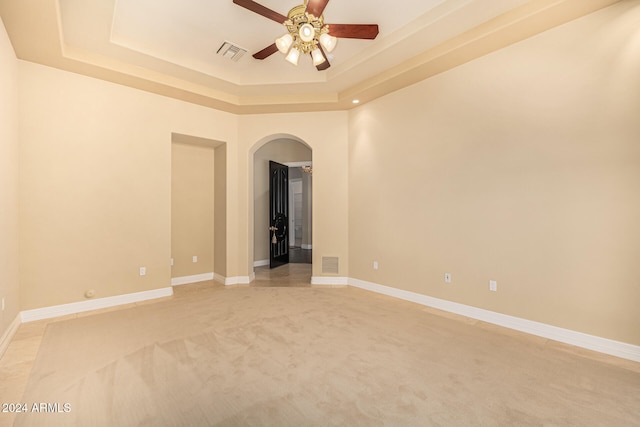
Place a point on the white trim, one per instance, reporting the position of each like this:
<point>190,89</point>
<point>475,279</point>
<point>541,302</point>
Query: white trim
<point>184,280</point>
<point>8,335</point>
<point>579,339</point>
<point>324,280</point>
<point>238,280</point>
<point>261,263</point>
<point>95,304</point>
<point>305,246</point>
<point>298,164</point>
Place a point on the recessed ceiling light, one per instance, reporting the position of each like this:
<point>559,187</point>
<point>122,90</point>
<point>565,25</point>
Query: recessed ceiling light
<point>356,101</point>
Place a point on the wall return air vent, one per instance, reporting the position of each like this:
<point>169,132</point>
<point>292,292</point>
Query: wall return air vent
<point>231,51</point>
<point>330,265</point>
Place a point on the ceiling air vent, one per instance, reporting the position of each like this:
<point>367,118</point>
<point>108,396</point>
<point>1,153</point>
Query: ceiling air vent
<point>231,51</point>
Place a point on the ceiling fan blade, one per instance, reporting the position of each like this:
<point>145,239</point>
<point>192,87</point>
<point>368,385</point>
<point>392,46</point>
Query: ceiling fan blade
<point>325,64</point>
<point>316,7</point>
<point>266,52</point>
<point>261,10</point>
<point>354,31</point>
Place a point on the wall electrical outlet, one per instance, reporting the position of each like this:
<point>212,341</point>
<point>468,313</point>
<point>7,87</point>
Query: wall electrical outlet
<point>171,262</point>
<point>195,258</point>
<point>143,271</point>
<point>493,285</point>
<point>375,265</point>
<point>447,277</point>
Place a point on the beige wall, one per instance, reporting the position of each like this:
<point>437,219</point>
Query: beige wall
<point>281,151</point>
<point>522,167</point>
<point>192,209</point>
<point>328,142</point>
<point>95,184</point>
<point>9,282</point>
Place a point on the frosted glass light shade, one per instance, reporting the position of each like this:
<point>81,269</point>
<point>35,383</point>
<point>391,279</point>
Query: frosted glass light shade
<point>293,56</point>
<point>328,42</point>
<point>307,32</point>
<point>284,43</point>
<point>318,57</point>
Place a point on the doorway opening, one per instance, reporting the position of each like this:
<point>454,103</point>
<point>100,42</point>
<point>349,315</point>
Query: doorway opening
<point>300,248</point>
<point>282,213</point>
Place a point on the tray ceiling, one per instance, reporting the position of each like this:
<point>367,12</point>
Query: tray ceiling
<point>169,47</point>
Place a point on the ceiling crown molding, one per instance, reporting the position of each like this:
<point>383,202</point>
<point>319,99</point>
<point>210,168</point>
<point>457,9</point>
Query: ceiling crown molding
<point>35,31</point>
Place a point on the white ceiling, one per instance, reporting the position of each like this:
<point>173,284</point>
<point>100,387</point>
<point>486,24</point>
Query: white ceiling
<point>174,36</point>
<point>170,45</point>
<point>189,34</point>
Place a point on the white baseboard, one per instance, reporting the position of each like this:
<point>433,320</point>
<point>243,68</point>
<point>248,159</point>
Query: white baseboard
<point>324,280</point>
<point>307,246</point>
<point>578,339</point>
<point>185,280</point>
<point>94,304</point>
<point>8,335</point>
<point>261,263</point>
<point>237,280</point>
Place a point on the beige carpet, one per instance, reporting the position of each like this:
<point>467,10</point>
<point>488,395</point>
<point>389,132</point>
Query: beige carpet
<point>315,356</point>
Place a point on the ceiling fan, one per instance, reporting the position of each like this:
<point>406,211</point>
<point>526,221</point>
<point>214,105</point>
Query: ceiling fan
<point>307,33</point>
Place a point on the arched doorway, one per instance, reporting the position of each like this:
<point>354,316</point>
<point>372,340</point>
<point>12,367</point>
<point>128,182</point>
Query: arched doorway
<point>297,156</point>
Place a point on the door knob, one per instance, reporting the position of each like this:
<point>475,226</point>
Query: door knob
<point>273,228</point>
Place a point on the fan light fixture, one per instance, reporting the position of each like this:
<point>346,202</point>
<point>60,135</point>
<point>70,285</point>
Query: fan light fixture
<point>284,43</point>
<point>328,42</point>
<point>293,56</point>
<point>317,56</point>
<point>307,34</point>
